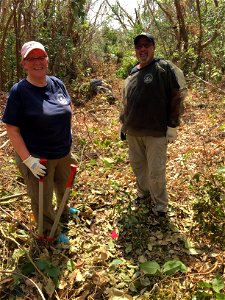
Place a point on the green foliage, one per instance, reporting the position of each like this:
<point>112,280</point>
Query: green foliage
<point>102,144</point>
<point>59,25</point>
<point>18,253</point>
<point>47,267</point>
<point>211,290</point>
<point>174,266</point>
<point>73,44</point>
<point>128,62</point>
<point>27,268</point>
<point>209,207</point>
<point>150,267</point>
<point>108,162</point>
<point>169,268</point>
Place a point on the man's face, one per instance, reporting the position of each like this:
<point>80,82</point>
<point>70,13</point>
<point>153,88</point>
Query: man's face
<point>144,51</point>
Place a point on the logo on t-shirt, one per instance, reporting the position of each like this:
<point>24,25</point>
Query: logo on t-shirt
<point>148,78</point>
<point>61,99</point>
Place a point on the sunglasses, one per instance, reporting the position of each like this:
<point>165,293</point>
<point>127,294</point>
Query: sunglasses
<point>33,59</point>
<point>146,46</point>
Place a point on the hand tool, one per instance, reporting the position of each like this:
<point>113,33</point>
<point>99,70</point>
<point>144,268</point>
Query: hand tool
<point>69,184</point>
<point>40,209</point>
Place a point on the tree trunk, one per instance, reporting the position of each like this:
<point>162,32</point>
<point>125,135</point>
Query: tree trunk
<point>181,22</point>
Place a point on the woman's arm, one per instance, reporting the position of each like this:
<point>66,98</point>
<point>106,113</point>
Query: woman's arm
<point>17,141</point>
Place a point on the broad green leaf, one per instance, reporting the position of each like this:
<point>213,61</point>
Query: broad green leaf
<point>18,253</point>
<point>70,265</point>
<point>128,248</point>
<point>116,261</point>
<point>43,264</point>
<point>107,161</point>
<point>217,284</point>
<point>92,162</point>
<point>150,267</point>
<point>220,296</point>
<point>221,170</point>
<point>204,295</point>
<point>203,284</point>
<point>27,268</point>
<point>173,266</point>
<point>53,272</point>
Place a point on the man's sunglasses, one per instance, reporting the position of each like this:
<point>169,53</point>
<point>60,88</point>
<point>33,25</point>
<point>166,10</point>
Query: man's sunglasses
<point>146,46</point>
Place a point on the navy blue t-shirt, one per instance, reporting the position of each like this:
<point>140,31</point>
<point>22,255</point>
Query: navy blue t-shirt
<point>43,115</point>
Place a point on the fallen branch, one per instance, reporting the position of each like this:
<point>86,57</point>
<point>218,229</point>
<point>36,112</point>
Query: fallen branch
<point>98,109</point>
<point>12,196</point>
<point>16,220</point>
<point>4,144</point>
<point>3,133</point>
<point>206,82</point>
<point>207,272</point>
<point>27,278</point>
<point>25,251</point>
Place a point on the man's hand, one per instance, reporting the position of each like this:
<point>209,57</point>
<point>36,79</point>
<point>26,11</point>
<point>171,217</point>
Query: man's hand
<point>122,133</point>
<point>34,165</point>
<point>123,136</point>
<point>171,134</point>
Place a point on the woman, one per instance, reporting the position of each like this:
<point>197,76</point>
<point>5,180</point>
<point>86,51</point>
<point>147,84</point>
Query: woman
<point>38,122</point>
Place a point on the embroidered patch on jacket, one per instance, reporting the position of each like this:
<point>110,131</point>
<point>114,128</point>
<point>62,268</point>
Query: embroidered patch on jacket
<point>148,78</point>
<point>61,99</point>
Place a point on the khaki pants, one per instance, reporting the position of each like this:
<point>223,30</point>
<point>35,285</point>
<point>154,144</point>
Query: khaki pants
<point>58,171</point>
<point>147,156</point>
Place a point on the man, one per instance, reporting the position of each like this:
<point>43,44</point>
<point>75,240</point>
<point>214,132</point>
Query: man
<point>152,105</point>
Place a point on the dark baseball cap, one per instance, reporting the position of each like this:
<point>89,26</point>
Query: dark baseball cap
<point>146,35</point>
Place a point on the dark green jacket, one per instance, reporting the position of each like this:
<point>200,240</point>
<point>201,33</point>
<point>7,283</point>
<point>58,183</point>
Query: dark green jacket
<point>152,99</point>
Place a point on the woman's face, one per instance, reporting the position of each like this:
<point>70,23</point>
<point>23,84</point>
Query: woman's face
<point>36,63</point>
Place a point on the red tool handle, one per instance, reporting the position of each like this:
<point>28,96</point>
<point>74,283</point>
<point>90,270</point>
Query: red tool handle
<point>69,185</point>
<point>42,161</point>
<point>73,169</point>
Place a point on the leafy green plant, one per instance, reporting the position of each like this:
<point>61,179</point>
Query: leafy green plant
<point>102,144</point>
<point>108,162</point>
<point>169,268</point>
<point>210,290</point>
<point>209,207</point>
<point>47,267</point>
<point>128,62</point>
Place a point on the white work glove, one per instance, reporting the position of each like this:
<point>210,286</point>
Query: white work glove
<point>34,165</point>
<point>171,134</point>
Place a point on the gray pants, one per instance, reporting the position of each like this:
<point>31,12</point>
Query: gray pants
<point>147,157</point>
<point>55,181</point>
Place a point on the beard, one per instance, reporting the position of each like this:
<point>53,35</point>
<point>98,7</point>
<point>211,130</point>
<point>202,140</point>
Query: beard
<point>144,59</point>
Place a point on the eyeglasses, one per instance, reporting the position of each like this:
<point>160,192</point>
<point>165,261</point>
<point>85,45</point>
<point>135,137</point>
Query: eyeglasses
<point>146,46</point>
<point>33,59</point>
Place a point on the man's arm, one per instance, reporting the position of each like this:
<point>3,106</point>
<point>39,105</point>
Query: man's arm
<point>178,91</point>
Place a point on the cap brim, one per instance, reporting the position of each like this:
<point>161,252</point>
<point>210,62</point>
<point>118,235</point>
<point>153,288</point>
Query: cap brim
<point>149,38</point>
<point>35,48</point>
